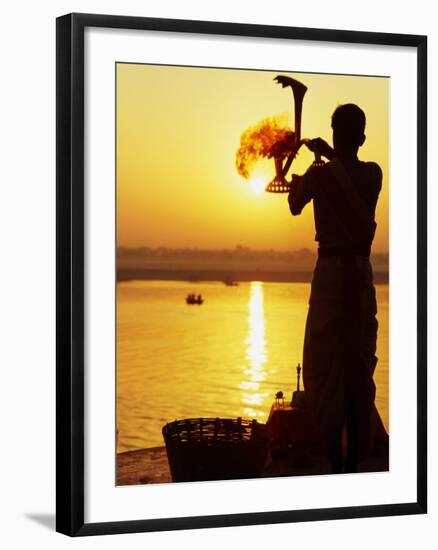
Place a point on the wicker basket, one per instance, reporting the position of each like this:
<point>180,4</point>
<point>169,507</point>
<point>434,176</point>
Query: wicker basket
<point>205,449</point>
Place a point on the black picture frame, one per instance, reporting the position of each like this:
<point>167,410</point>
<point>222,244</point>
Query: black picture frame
<point>70,273</point>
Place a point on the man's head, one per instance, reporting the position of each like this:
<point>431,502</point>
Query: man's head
<point>348,123</point>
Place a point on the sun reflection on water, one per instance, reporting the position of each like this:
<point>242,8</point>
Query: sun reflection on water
<point>256,354</point>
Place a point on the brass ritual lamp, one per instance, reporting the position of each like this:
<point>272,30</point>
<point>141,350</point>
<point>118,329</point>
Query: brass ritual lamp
<point>284,152</point>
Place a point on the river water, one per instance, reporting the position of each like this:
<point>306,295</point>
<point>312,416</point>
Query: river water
<point>227,357</point>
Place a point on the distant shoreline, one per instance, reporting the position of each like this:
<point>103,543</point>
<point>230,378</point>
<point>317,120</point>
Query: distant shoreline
<point>241,276</point>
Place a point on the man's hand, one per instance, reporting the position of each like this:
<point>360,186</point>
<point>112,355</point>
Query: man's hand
<point>322,147</point>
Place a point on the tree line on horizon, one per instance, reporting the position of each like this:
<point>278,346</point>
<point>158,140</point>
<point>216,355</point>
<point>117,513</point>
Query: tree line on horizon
<point>239,252</point>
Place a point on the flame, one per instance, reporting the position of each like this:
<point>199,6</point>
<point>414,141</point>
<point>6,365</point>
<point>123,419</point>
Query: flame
<point>258,141</point>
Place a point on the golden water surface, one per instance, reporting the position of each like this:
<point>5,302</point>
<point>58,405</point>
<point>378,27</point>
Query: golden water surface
<point>227,357</point>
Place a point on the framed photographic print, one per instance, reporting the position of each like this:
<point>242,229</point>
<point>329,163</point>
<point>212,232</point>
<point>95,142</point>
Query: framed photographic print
<point>241,274</point>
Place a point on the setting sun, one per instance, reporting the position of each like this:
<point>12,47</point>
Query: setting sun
<point>257,185</point>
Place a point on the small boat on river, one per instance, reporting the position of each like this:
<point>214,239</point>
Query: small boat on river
<point>229,282</point>
<point>192,299</point>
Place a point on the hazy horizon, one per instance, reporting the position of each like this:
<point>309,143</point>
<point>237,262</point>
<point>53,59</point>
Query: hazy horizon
<point>239,263</point>
<point>238,249</point>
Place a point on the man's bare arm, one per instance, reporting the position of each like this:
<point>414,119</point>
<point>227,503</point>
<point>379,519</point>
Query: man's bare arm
<point>301,193</point>
<point>302,186</point>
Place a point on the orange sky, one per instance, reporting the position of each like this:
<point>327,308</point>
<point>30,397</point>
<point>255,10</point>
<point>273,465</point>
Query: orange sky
<point>178,130</point>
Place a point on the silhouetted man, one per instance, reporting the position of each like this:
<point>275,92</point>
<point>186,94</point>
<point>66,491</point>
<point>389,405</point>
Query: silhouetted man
<point>341,330</point>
